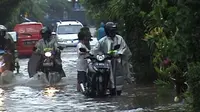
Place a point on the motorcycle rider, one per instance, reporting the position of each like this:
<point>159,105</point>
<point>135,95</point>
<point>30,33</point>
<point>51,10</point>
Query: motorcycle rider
<point>106,44</point>
<point>48,41</point>
<point>7,44</point>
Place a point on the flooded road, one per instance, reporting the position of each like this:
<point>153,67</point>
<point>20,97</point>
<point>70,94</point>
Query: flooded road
<point>33,97</point>
<point>65,98</point>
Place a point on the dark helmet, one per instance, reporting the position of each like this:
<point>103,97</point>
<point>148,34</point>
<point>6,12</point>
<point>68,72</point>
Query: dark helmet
<point>87,32</point>
<point>45,32</point>
<point>110,29</point>
<point>3,30</point>
<point>81,35</point>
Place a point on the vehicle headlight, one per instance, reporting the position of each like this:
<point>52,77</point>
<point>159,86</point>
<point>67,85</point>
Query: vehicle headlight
<point>60,40</point>
<point>76,41</point>
<point>100,57</point>
<point>48,54</point>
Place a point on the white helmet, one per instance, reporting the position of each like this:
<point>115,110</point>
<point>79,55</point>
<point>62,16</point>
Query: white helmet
<point>2,27</point>
<point>3,30</point>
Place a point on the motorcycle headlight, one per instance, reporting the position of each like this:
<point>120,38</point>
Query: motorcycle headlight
<point>48,54</point>
<point>100,57</point>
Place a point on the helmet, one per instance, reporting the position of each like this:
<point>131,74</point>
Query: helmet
<point>110,29</point>
<point>3,30</point>
<point>81,35</point>
<point>45,32</point>
<point>87,32</point>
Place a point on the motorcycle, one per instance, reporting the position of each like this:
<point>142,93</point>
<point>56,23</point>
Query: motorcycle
<point>98,76</point>
<point>6,76</point>
<point>48,68</point>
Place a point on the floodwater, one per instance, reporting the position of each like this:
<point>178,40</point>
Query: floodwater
<point>28,95</point>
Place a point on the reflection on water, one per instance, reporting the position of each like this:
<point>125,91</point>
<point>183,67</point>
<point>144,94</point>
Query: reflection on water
<point>50,91</point>
<point>2,98</point>
<point>34,97</point>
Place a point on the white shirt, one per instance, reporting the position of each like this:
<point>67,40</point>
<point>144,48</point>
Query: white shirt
<point>82,64</point>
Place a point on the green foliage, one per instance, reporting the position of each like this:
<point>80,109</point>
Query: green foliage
<point>56,7</point>
<point>130,16</point>
<point>7,7</point>
<point>12,9</point>
<point>163,84</point>
<point>188,102</point>
<point>179,42</point>
<point>170,28</point>
<point>193,77</point>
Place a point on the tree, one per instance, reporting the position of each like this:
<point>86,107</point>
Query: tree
<point>7,7</point>
<point>172,30</point>
<point>35,9</point>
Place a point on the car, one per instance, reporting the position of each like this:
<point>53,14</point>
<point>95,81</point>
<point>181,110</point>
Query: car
<point>67,32</point>
<point>28,36</point>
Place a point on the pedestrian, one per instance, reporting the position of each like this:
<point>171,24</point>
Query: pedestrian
<point>81,62</point>
<point>88,35</point>
<point>101,31</point>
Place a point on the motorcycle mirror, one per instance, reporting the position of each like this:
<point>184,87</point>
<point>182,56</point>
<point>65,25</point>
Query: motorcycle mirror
<point>117,47</point>
<point>82,50</point>
<point>60,47</point>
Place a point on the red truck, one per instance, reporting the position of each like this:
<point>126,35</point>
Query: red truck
<point>28,35</point>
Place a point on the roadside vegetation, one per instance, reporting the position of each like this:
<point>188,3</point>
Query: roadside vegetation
<point>163,35</point>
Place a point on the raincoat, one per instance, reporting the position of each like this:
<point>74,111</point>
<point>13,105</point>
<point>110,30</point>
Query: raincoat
<point>101,32</point>
<point>41,45</point>
<point>8,45</point>
<point>121,68</point>
<point>35,59</point>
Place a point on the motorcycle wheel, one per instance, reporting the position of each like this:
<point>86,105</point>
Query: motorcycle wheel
<point>89,89</point>
<point>113,92</point>
<point>92,86</point>
<point>100,90</point>
<point>119,92</point>
<point>50,79</point>
<point>103,86</point>
<point>90,92</point>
